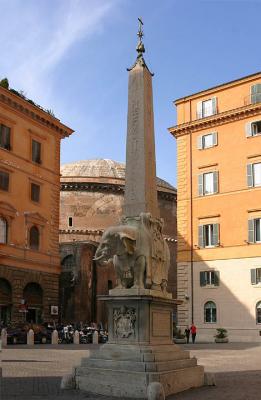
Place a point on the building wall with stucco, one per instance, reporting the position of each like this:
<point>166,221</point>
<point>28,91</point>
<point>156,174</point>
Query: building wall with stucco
<point>29,273</point>
<point>230,207</point>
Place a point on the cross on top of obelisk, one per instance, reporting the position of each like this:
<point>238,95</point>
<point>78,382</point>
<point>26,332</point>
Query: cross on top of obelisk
<point>140,49</point>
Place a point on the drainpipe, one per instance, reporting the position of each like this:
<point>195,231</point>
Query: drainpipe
<point>191,224</point>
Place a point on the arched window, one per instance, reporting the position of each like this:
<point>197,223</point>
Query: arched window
<point>34,238</point>
<point>210,312</point>
<point>3,230</point>
<point>258,313</point>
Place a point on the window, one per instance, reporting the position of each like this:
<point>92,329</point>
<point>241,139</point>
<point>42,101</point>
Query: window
<point>208,235</point>
<point>207,108</point>
<point>256,93</point>
<point>4,181</point>
<point>70,221</point>
<point>254,175</point>
<point>34,238</point>
<point>253,128</point>
<point>3,230</point>
<point>109,285</point>
<point>207,141</point>
<point>258,313</point>
<point>210,312</point>
<point>36,152</point>
<point>35,192</point>
<point>255,276</point>
<point>5,137</point>
<point>209,278</point>
<point>254,230</point>
<point>208,183</point>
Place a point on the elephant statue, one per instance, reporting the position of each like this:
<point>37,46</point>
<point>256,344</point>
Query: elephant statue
<point>138,252</point>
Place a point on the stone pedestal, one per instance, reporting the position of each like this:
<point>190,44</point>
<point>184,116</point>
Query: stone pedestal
<point>140,351</point>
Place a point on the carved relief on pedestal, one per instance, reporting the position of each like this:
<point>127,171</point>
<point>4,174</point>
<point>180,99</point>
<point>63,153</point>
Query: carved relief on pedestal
<point>124,320</point>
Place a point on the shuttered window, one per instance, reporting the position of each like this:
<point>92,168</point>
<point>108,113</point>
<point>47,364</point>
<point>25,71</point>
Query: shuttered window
<point>207,141</point>
<point>3,230</point>
<point>36,152</point>
<point>4,180</point>
<point>253,128</point>
<point>70,221</point>
<point>254,175</point>
<point>208,235</point>
<point>5,135</point>
<point>208,183</point>
<point>256,93</point>
<point>209,278</point>
<point>207,108</point>
<point>255,276</point>
<point>35,192</point>
<point>254,230</point>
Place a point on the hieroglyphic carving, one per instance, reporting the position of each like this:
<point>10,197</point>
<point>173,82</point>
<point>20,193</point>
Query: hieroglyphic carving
<point>124,320</point>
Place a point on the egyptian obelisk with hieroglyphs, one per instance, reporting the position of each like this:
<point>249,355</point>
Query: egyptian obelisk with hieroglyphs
<point>140,185</point>
<point>140,350</point>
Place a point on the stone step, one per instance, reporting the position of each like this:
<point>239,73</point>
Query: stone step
<point>134,384</point>
<point>125,355</point>
<point>139,366</point>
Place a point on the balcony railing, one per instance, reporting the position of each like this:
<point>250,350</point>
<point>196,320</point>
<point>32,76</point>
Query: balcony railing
<point>252,99</point>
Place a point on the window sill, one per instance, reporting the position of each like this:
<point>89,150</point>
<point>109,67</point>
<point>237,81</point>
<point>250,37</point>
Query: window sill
<point>209,287</point>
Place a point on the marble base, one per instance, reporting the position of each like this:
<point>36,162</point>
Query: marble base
<point>140,292</point>
<point>140,351</point>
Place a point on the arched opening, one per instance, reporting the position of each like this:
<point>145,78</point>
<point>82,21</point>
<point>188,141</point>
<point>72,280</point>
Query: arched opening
<point>3,230</point>
<point>33,297</point>
<point>34,238</point>
<point>210,312</point>
<point>258,313</point>
<point>5,302</point>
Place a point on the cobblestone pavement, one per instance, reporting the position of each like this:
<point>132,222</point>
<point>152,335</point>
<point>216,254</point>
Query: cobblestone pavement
<point>35,373</point>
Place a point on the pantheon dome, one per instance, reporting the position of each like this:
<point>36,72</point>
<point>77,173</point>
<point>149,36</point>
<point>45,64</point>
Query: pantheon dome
<point>91,200</point>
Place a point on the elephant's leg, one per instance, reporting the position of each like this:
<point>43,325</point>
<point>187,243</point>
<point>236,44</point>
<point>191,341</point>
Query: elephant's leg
<point>138,272</point>
<point>118,270</point>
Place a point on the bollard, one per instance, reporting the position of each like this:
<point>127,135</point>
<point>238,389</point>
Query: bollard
<point>55,337</point>
<point>4,337</point>
<point>95,337</point>
<point>76,337</point>
<point>30,337</point>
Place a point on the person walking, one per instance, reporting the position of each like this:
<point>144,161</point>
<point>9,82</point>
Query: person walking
<point>193,331</point>
<point>187,333</point>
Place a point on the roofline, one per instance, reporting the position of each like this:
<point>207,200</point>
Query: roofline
<point>215,87</point>
<point>47,119</point>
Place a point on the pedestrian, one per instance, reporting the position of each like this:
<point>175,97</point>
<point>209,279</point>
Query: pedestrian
<point>193,331</point>
<point>187,333</point>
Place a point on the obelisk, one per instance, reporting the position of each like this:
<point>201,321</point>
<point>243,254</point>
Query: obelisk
<point>140,184</point>
<point>140,352</point>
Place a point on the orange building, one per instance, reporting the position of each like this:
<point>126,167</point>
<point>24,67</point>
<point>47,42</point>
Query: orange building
<point>218,137</point>
<point>29,209</point>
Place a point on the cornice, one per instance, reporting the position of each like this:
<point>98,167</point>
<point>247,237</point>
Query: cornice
<point>106,187</point>
<point>98,232</point>
<point>215,120</point>
<point>32,112</point>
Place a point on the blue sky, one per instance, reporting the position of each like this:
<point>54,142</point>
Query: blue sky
<point>71,56</point>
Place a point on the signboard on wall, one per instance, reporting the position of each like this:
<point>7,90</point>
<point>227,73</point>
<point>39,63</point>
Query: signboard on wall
<point>54,310</point>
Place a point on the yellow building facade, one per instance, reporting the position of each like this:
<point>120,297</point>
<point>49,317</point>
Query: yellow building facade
<point>29,209</point>
<point>218,135</point>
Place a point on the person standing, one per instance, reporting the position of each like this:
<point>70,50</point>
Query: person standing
<point>187,333</point>
<point>193,331</point>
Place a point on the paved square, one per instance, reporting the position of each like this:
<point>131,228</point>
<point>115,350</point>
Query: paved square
<point>35,373</point>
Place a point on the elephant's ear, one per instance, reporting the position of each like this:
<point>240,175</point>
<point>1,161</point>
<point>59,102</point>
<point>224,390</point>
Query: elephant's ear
<point>129,244</point>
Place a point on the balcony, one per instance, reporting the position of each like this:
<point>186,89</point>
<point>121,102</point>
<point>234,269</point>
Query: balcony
<point>252,99</point>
